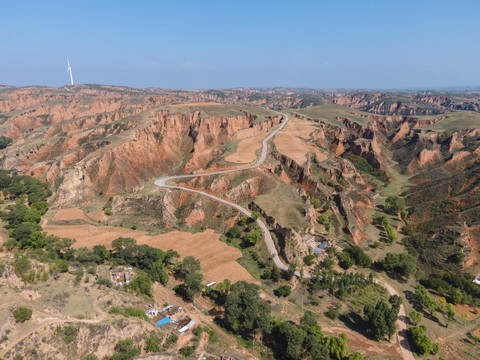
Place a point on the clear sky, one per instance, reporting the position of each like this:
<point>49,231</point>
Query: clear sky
<point>223,44</point>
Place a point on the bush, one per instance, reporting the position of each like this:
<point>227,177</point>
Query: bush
<point>152,344</point>
<point>141,285</point>
<point>358,256</point>
<point>90,357</point>
<point>186,351</point>
<point>309,259</point>
<point>234,233</point>
<point>108,211</point>
<point>104,281</point>
<point>69,333</point>
<point>332,314</point>
<point>394,204</point>
<point>124,350</point>
<point>22,314</point>
<point>129,312</point>
<point>355,356</point>
<point>316,202</point>
<point>284,290</point>
<point>172,339</point>
<point>422,343</point>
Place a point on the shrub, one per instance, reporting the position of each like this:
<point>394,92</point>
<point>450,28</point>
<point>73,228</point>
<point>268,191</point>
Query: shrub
<point>316,202</point>
<point>90,357</point>
<point>421,342</point>
<point>104,281</point>
<point>234,233</point>
<point>172,339</point>
<point>186,351</point>
<point>284,290</point>
<point>124,350</point>
<point>309,259</point>
<point>255,215</point>
<point>332,314</point>
<point>69,333</point>
<point>152,344</point>
<point>22,314</point>
<point>108,211</point>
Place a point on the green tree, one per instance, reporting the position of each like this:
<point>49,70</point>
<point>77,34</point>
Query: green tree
<point>122,243</point>
<point>355,356</point>
<point>380,321</point>
<point>315,202</point>
<point>255,215</point>
<point>422,343</point>
<point>284,291</point>
<point>193,282</point>
<point>243,310</point>
<point>190,265</point>
<point>449,314</point>
<point>415,317</point>
<point>323,219</point>
<point>337,346</point>
<point>253,237</point>
<point>101,252</point>
<point>141,284</point>
<point>394,204</point>
<point>22,314</point>
<point>234,233</point>
<point>308,320</point>
<point>292,338</point>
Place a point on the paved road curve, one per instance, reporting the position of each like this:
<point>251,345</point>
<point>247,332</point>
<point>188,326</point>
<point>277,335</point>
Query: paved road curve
<point>162,182</point>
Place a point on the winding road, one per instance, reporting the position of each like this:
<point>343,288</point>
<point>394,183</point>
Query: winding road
<point>162,182</point>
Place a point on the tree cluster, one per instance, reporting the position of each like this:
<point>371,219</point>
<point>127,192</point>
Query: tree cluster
<point>394,204</point>
<point>340,285</point>
<point>422,344</point>
<point>383,220</point>
<point>354,255</point>
<point>425,299</point>
<point>380,319</point>
<point>403,264</point>
<point>459,288</point>
<point>189,271</point>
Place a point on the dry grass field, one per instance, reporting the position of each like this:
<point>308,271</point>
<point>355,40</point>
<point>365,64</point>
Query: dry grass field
<point>291,141</point>
<point>218,260</point>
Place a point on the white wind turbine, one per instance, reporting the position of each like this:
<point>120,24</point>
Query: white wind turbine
<point>69,69</point>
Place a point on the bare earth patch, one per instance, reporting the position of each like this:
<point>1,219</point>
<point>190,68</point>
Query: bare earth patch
<point>246,150</point>
<point>70,214</point>
<point>98,215</point>
<point>289,141</point>
<point>218,260</point>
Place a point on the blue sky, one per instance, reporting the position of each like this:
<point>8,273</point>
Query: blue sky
<point>223,44</point>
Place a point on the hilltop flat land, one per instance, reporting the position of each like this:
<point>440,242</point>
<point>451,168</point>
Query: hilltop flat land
<point>293,141</point>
